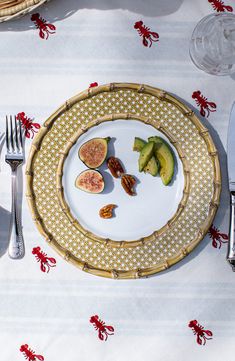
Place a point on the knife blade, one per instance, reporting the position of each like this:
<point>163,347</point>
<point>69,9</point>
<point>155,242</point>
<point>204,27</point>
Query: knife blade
<point>231,178</point>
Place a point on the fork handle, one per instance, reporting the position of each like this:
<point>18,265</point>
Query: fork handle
<point>231,242</point>
<point>16,248</point>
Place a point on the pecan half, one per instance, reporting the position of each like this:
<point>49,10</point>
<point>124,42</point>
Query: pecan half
<point>115,167</point>
<point>107,211</point>
<point>128,182</point>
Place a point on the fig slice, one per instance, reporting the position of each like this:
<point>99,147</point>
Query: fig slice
<point>94,152</point>
<point>90,181</point>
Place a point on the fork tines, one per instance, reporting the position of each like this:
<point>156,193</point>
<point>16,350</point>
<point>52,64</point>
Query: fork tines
<point>14,139</point>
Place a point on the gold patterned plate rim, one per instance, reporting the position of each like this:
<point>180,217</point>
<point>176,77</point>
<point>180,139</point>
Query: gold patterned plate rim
<point>159,102</point>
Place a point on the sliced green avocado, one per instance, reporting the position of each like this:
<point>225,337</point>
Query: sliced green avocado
<point>152,166</point>
<point>145,155</point>
<point>165,156</point>
<point>138,144</point>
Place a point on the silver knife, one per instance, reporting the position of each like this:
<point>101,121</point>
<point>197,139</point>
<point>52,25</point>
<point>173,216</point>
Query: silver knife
<point>231,179</point>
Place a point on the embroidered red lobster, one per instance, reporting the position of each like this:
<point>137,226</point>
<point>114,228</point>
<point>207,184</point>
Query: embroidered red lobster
<point>44,28</point>
<point>204,105</point>
<point>46,262</point>
<point>92,85</point>
<point>148,36</point>
<point>200,332</point>
<point>30,354</point>
<point>27,124</point>
<point>217,237</point>
<point>102,328</point>
<point>218,5</point>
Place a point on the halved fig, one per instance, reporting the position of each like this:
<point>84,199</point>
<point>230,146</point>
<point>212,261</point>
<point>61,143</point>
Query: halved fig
<point>90,181</point>
<point>94,152</point>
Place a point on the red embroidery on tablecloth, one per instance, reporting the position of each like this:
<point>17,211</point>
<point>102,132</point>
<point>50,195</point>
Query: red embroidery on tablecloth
<point>92,85</point>
<point>203,103</point>
<point>200,332</point>
<point>103,330</point>
<point>217,237</point>
<point>46,262</point>
<point>44,28</point>
<point>30,354</point>
<point>27,124</point>
<point>219,6</point>
<point>148,36</point>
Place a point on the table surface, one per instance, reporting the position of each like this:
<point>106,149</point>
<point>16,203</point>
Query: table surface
<point>95,41</point>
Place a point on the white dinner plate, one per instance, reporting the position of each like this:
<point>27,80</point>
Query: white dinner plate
<point>135,216</point>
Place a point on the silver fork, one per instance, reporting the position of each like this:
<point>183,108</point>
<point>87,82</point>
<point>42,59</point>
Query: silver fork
<point>15,157</point>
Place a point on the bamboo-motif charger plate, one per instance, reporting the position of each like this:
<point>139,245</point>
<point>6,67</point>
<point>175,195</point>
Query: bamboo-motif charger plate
<point>163,237</point>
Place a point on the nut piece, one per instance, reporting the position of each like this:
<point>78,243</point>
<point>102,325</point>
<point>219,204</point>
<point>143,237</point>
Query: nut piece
<point>107,211</point>
<point>128,181</point>
<point>115,167</point>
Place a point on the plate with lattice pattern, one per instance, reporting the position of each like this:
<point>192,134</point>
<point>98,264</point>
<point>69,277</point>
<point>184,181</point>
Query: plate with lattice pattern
<point>154,229</point>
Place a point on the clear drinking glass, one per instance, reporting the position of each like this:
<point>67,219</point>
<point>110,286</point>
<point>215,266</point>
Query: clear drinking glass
<point>212,46</point>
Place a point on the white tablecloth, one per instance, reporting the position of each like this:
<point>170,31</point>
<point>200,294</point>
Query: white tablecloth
<point>96,41</point>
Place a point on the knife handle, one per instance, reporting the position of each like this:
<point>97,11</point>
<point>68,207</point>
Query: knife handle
<point>231,241</point>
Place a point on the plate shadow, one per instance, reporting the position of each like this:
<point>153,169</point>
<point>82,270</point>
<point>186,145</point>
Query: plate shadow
<point>5,218</point>
<point>57,10</point>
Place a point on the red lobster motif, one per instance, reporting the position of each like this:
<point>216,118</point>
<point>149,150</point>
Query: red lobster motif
<point>217,237</point>
<point>46,262</point>
<point>92,85</point>
<point>27,124</point>
<point>30,354</point>
<point>200,332</point>
<point>148,36</point>
<point>102,328</point>
<point>204,105</point>
<point>218,5</point>
<point>44,28</point>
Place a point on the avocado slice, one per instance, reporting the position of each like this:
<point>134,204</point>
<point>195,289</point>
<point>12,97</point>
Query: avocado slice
<point>165,156</point>
<point>138,144</point>
<point>145,155</point>
<point>152,166</point>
